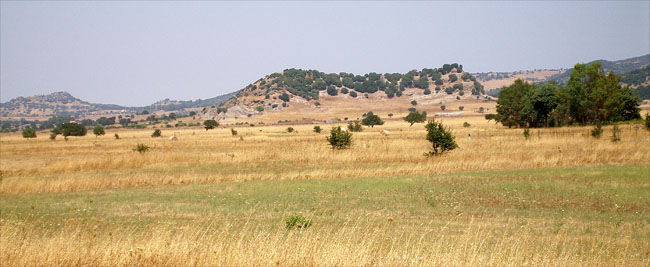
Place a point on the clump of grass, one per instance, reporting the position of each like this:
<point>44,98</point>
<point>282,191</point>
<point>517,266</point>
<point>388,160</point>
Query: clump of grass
<point>597,131</point>
<point>526,133</point>
<point>466,124</point>
<point>142,148</point>
<point>616,133</point>
<point>297,221</point>
<point>233,132</point>
<point>290,130</point>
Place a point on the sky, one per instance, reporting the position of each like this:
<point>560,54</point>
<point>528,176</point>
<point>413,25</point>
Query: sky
<point>136,53</point>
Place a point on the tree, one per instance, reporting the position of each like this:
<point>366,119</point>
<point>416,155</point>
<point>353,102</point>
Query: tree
<point>353,94</point>
<point>192,113</point>
<point>453,77</point>
<point>371,120</point>
<point>414,103</point>
<point>339,139</point>
<point>416,117</point>
<point>106,121</point>
<point>440,137</point>
<point>284,97</point>
<point>98,130</point>
<point>331,90</point>
<point>210,124</point>
<point>156,133</point>
<point>29,133</point>
<point>422,82</point>
<point>69,129</point>
<point>443,107</point>
<point>461,108</point>
<point>511,103</point>
<point>344,90</point>
<point>427,91</point>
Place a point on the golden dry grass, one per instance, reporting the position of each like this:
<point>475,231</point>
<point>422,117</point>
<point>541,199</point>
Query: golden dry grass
<point>270,153</point>
<point>216,199</point>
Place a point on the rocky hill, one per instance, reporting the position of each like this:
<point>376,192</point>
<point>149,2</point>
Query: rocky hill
<point>619,67</point>
<point>58,103</point>
<point>280,90</point>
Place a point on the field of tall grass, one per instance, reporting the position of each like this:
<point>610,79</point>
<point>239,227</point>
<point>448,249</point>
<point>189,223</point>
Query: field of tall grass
<point>561,197</point>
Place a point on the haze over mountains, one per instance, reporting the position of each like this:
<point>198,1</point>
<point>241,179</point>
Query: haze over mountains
<point>310,85</point>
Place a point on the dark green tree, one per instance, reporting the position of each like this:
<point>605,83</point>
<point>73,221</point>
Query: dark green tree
<point>371,120</point>
<point>210,124</point>
<point>416,117</point>
<point>98,130</point>
<point>29,133</point>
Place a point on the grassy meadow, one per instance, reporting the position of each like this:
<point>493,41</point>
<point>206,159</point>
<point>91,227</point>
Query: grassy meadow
<point>559,198</point>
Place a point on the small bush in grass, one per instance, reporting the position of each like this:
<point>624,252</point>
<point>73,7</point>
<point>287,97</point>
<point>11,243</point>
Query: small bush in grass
<point>117,136</point>
<point>141,148</point>
<point>597,131</point>
<point>317,129</point>
<point>466,124</point>
<point>290,130</point>
<point>29,133</point>
<point>526,133</point>
<point>616,133</point>
<point>440,137</point>
<point>339,139</point>
<point>443,107</point>
<point>355,127</point>
<point>297,221</point>
<point>647,121</point>
<point>156,133</point>
<point>233,131</point>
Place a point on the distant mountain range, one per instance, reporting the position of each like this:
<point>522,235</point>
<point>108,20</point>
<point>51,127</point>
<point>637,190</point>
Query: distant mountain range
<point>619,67</point>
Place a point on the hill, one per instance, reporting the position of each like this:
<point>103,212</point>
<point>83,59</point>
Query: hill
<point>58,103</point>
<point>312,91</point>
<point>619,67</point>
<point>496,80</point>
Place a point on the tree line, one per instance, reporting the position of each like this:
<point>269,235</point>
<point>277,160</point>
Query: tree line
<point>590,97</point>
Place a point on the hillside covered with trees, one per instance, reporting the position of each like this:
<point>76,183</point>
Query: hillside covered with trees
<point>275,91</point>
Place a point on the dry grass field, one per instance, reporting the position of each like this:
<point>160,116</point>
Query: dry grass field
<point>561,198</point>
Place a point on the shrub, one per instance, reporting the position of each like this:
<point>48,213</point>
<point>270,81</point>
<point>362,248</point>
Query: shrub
<point>259,108</point>
<point>233,132</point>
<point>440,137</point>
<point>156,133</point>
<point>371,120</point>
<point>290,130</point>
<point>284,97</point>
<point>356,127</point>
<point>526,133</point>
<point>427,91</point>
<point>353,94</point>
<point>274,106</point>
<point>443,107</point>
<point>29,133</point>
<point>466,124</point>
<point>317,103</point>
<point>616,133</point>
<point>317,129</point>
<point>344,90</point>
<point>284,104</point>
<point>449,90</point>
<point>339,139</point>
<point>141,148</point>
<point>390,115</point>
<point>414,103</point>
<point>68,129</point>
<point>117,136</point>
<point>297,221</point>
<point>415,117</point>
<point>461,108</point>
<point>210,124</point>
<point>647,121</point>
<point>98,130</point>
<point>597,131</point>
<point>331,90</point>
<point>453,77</point>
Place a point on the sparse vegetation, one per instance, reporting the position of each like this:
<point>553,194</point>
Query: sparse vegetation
<point>156,133</point>
<point>297,221</point>
<point>141,148</point>
<point>616,133</point>
<point>466,124</point>
<point>29,133</point>
<point>317,129</point>
<point>597,131</point>
<point>339,139</point>
<point>354,127</point>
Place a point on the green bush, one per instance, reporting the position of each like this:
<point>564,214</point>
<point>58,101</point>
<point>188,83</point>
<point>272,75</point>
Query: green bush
<point>466,124</point>
<point>440,137</point>
<point>339,139</point>
<point>259,108</point>
<point>156,133</point>
<point>29,133</point>
<point>597,131</point>
<point>355,127</point>
<point>98,130</point>
<point>647,121</point>
<point>317,129</point>
<point>233,131</point>
<point>141,148</point>
<point>290,130</point>
<point>297,221</point>
<point>526,133</point>
<point>414,103</point>
<point>427,91</point>
<point>353,94</point>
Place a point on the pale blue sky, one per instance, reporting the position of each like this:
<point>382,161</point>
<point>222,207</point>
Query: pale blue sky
<point>135,53</point>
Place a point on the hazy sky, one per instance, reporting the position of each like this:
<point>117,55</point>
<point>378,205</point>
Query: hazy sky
<point>136,53</point>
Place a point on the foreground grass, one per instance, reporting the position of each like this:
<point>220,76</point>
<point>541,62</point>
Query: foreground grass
<point>566,216</point>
